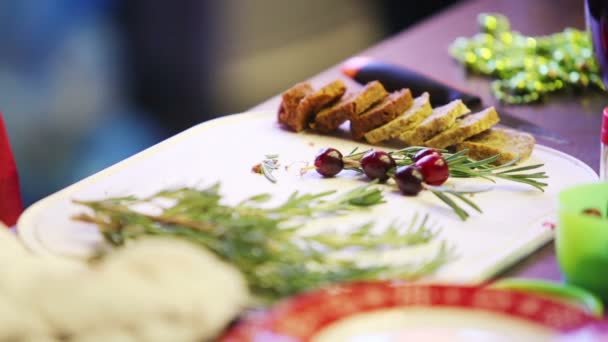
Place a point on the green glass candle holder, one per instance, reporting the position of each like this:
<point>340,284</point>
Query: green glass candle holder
<point>582,237</point>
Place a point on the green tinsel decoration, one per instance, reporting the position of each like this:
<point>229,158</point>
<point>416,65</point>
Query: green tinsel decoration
<point>528,67</point>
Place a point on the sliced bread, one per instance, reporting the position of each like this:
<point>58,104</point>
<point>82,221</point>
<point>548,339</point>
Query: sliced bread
<point>509,143</point>
<point>441,119</point>
<point>420,109</point>
<point>290,99</point>
<point>329,119</point>
<point>384,111</point>
<point>464,128</point>
<point>297,119</point>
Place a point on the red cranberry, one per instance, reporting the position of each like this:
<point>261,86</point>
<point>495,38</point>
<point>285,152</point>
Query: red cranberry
<point>328,162</point>
<point>434,169</point>
<point>409,180</point>
<point>376,164</point>
<point>425,152</point>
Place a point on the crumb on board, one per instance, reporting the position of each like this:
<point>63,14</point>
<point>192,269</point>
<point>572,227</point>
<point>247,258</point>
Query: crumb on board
<point>257,168</point>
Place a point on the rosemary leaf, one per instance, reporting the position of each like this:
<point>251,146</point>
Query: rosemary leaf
<point>447,200</point>
<point>267,172</point>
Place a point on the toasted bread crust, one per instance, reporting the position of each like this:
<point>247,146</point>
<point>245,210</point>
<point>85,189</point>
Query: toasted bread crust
<point>314,102</point>
<point>509,143</point>
<point>372,93</point>
<point>464,128</point>
<point>290,99</point>
<point>442,118</point>
<point>297,119</point>
<point>420,109</point>
<point>329,119</point>
<point>381,113</point>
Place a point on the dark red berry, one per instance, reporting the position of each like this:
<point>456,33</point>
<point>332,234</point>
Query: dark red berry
<point>425,152</point>
<point>592,211</point>
<point>409,180</point>
<point>328,162</point>
<point>375,164</point>
<point>434,169</point>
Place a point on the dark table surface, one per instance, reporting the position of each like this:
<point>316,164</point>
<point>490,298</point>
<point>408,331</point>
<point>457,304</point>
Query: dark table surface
<point>574,117</point>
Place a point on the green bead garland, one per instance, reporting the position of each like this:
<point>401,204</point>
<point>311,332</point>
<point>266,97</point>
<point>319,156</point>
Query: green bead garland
<point>528,67</point>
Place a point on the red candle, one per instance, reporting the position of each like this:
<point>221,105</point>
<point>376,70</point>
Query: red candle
<point>604,149</point>
<point>10,196</point>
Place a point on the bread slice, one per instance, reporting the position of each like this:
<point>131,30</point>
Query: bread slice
<point>329,119</point>
<point>509,143</point>
<point>464,128</point>
<point>381,113</point>
<point>290,99</point>
<point>420,109</point>
<point>442,118</point>
<point>309,105</point>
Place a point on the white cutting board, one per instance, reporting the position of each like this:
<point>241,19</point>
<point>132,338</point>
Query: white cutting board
<point>225,149</point>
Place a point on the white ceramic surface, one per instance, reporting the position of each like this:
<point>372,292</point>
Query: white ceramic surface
<point>225,149</point>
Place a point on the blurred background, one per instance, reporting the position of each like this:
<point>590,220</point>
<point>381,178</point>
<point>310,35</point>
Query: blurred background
<point>87,83</point>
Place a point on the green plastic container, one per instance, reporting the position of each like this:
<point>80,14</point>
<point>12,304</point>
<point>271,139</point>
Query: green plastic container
<point>582,239</point>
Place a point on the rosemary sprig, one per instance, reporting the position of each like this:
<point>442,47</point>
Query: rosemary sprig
<point>316,204</point>
<point>442,193</point>
<point>264,243</point>
<point>464,167</point>
<point>395,235</point>
<point>461,166</point>
<point>267,166</point>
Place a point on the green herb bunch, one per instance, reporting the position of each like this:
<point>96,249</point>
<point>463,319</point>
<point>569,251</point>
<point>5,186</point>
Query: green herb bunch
<point>264,242</point>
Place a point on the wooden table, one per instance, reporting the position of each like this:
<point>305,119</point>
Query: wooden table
<point>574,117</point>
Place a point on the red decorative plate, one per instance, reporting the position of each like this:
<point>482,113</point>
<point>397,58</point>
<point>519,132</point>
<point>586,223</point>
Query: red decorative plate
<point>396,311</point>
